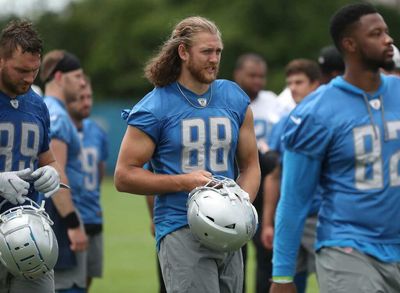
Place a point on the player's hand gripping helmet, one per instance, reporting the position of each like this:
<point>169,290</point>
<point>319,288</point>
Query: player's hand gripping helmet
<point>28,246</point>
<point>220,215</point>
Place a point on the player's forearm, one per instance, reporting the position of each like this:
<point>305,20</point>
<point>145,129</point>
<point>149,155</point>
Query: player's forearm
<point>47,158</point>
<point>300,178</point>
<point>249,179</point>
<point>289,224</point>
<point>63,199</point>
<point>271,190</point>
<point>135,180</point>
<point>139,181</point>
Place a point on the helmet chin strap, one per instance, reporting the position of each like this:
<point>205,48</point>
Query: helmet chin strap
<point>232,189</point>
<point>31,207</point>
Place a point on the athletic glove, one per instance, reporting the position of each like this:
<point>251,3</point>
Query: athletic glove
<point>13,187</point>
<point>47,180</point>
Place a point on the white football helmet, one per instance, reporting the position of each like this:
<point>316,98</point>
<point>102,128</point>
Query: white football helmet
<point>220,215</point>
<point>28,245</point>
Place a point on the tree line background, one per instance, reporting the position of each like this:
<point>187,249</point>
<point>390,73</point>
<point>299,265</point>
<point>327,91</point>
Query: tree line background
<point>114,38</point>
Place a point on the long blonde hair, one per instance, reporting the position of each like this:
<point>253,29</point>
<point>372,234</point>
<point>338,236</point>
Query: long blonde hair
<point>165,67</point>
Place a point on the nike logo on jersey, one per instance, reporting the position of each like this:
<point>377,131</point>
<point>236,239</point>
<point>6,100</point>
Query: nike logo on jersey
<point>296,120</point>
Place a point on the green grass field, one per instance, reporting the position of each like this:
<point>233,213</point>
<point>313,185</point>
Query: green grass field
<point>130,260</point>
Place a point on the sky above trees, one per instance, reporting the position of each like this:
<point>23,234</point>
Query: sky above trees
<point>28,8</point>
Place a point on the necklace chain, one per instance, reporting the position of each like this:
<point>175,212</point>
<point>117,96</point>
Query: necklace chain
<point>190,102</point>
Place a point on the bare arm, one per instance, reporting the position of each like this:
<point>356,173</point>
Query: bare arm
<point>47,158</point>
<point>247,157</point>
<point>137,149</point>
<point>271,191</point>
<point>63,199</point>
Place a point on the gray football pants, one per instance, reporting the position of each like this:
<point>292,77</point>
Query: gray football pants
<point>189,267</point>
<point>11,284</point>
<point>345,270</point>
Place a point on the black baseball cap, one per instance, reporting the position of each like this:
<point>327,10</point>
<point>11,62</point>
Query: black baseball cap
<point>330,59</point>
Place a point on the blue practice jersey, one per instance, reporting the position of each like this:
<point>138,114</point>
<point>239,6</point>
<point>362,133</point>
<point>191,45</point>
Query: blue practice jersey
<point>275,141</point>
<point>24,133</point>
<point>189,137</point>
<point>63,129</point>
<point>276,144</point>
<point>95,152</point>
<point>355,137</point>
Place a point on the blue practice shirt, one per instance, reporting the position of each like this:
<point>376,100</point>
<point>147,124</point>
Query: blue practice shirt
<point>24,134</point>
<point>63,129</point>
<point>346,140</point>
<point>189,137</point>
<point>95,152</point>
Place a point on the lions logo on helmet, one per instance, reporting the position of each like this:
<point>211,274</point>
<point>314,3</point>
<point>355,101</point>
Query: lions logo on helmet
<point>220,215</point>
<point>28,245</point>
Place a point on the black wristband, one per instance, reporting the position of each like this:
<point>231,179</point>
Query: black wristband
<point>71,220</point>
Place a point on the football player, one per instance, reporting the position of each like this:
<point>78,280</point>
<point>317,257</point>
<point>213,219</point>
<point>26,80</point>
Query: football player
<point>190,127</point>
<point>63,77</point>
<point>302,77</point>
<point>251,75</point>
<point>25,155</point>
<point>344,136</point>
<point>94,156</point>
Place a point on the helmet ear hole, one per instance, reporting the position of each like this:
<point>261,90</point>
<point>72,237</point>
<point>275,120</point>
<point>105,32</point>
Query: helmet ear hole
<point>211,219</point>
<point>220,216</point>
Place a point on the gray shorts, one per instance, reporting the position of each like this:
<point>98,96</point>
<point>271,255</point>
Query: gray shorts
<point>95,256</point>
<point>187,266</point>
<point>65,279</point>
<point>11,284</point>
<point>344,270</point>
<point>306,256</point>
